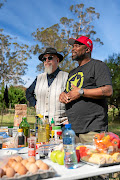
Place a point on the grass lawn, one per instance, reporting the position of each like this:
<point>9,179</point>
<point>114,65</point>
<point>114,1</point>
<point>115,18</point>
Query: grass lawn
<point>8,120</point>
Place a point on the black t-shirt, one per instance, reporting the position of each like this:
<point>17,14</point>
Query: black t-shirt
<point>86,114</point>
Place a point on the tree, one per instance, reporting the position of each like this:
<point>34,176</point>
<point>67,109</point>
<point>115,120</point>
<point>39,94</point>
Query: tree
<point>113,63</point>
<point>2,90</point>
<point>16,96</point>
<point>2,2</point>
<point>57,35</point>
<point>13,57</point>
<point>6,99</point>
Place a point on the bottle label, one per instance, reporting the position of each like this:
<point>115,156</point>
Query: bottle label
<point>31,152</point>
<point>21,140</point>
<point>67,140</point>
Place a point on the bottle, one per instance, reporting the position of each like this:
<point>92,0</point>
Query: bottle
<point>52,123</point>
<point>26,129</point>
<point>56,129</point>
<point>10,131</point>
<point>20,138</point>
<point>47,127</point>
<point>32,147</point>
<point>41,130</point>
<point>36,127</point>
<point>52,132</point>
<point>70,159</point>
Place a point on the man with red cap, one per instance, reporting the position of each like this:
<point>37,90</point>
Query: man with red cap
<point>86,91</point>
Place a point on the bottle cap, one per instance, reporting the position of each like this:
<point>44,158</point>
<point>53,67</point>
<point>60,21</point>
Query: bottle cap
<point>52,122</point>
<point>67,126</point>
<point>40,115</point>
<point>24,118</point>
<point>20,130</point>
<point>59,133</point>
<point>56,127</point>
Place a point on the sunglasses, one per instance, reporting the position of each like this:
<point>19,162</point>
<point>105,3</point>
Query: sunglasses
<point>49,58</point>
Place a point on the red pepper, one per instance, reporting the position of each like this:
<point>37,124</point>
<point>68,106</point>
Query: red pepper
<point>83,151</point>
<point>115,142</point>
<point>113,136</point>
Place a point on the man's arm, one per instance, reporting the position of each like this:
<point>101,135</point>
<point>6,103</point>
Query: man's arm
<point>97,93</point>
<point>30,94</point>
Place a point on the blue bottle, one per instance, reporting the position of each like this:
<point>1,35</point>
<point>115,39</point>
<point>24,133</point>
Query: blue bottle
<point>70,159</point>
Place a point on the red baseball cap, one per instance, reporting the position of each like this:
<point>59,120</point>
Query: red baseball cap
<point>83,40</point>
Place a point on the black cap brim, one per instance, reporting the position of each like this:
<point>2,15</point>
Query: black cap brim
<point>72,41</point>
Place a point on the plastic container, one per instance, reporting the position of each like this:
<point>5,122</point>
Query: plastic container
<point>70,159</point>
<point>10,131</point>
<point>56,129</point>
<point>32,146</point>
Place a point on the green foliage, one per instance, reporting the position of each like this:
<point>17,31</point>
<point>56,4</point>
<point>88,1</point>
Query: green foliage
<point>31,111</point>
<point>113,63</point>
<point>2,3</point>
<point>13,57</point>
<point>16,96</point>
<point>58,34</point>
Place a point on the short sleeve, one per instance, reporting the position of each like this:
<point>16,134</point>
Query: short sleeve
<point>102,74</point>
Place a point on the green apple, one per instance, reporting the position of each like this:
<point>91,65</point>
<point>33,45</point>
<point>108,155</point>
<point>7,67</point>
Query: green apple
<point>60,158</point>
<point>53,155</point>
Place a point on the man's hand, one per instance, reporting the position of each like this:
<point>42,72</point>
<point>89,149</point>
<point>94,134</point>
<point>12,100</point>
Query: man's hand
<point>74,93</point>
<point>64,98</point>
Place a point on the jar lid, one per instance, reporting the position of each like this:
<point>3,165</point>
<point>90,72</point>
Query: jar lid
<point>56,127</point>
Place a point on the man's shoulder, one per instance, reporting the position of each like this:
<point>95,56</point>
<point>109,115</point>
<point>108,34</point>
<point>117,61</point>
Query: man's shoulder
<point>97,61</point>
<point>63,72</point>
<point>42,74</point>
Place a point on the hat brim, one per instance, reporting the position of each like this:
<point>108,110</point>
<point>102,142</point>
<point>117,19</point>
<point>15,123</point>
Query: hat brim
<point>72,41</point>
<point>58,55</point>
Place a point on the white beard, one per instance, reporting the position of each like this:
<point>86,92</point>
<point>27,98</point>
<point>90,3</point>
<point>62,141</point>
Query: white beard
<point>48,69</point>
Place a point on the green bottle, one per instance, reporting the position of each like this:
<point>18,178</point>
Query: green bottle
<point>26,129</point>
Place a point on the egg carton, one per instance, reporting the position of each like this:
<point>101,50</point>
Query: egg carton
<point>41,174</point>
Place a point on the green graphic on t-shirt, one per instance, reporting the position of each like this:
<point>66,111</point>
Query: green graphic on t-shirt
<point>76,79</point>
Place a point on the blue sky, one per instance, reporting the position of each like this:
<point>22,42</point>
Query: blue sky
<point>20,18</point>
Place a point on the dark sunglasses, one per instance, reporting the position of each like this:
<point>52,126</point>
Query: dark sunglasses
<point>49,58</point>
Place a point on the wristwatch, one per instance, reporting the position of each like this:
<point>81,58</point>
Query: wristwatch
<point>81,91</point>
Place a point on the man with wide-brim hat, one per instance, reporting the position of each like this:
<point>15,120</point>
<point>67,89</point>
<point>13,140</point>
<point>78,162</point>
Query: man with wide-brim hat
<point>51,51</point>
<point>48,87</point>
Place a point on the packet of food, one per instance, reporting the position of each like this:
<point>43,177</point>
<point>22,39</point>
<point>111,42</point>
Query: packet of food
<point>106,142</point>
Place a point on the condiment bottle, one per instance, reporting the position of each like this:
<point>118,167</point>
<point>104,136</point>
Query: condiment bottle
<point>20,138</point>
<point>26,129</point>
<point>36,127</point>
<point>47,127</point>
<point>56,129</point>
<point>41,130</point>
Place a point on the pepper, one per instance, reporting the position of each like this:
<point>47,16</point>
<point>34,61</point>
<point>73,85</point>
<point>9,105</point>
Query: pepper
<point>105,140</point>
<point>100,146</point>
<point>113,136</point>
<point>99,136</point>
<point>115,142</point>
<point>83,151</point>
